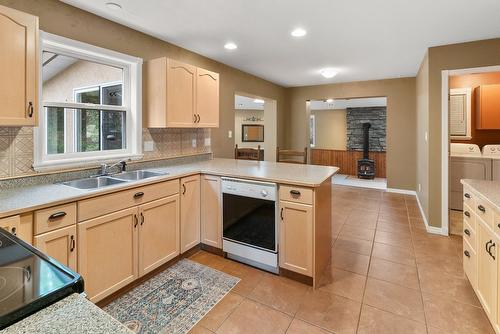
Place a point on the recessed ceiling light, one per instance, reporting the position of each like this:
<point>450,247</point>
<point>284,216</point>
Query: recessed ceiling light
<point>230,46</point>
<point>328,72</point>
<point>298,32</point>
<point>113,5</point>
<point>329,100</point>
<point>258,101</point>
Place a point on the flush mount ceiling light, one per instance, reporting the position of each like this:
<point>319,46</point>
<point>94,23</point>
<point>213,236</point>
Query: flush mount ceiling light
<point>328,72</point>
<point>230,46</point>
<point>113,5</point>
<point>258,101</point>
<point>298,32</point>
<point>329,100</point>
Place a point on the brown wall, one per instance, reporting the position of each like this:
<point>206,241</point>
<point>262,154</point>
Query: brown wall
<point>479,137</point>
<point>64,20</point>
<point>449,57</point>
<point>422,149</point>
<point>401,144</point>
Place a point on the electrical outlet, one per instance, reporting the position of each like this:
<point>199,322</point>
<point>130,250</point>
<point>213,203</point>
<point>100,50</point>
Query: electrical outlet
<point>208,142</point>
<point>230,134</point>
<point>426,136</point>
<point>148,146</point>
<point>193,142</point>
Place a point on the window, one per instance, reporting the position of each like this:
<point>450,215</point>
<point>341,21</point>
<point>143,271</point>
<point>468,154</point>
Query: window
<point>90,108</point>
<point>312,131</point>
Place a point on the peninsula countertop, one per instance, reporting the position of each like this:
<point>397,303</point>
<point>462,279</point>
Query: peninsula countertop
<point>22,199</point>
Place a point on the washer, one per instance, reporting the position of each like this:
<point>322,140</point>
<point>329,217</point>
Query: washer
<point>466,162</point>
<point>493,152</point>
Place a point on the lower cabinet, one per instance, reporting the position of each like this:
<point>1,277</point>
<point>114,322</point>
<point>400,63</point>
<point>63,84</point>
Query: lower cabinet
<point>211,207</point>
<point>60,244</point>
<point>487,272</point>
<point>20,225</point>
<point>296,237</point>
<point>190,212</point>
<point>10,224</point>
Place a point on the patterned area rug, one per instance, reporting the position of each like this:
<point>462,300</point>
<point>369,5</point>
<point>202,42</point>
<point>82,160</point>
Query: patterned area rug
<point>174,300</point>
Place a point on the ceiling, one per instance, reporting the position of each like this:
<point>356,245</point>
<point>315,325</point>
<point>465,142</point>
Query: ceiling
<point>348,103</point>
<point>362,39</point>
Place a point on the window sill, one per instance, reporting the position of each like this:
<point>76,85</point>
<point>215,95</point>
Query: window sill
<point>55,165</point>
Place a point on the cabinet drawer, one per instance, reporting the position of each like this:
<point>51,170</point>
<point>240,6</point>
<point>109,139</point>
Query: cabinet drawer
<point>470,264</point>
<point>296,194</point>
<point>101,205</point>
<point>470,235</point>
<point>469,197</point>
<point>55,217</point>
<point>469,216</point>
<point>485,211</point>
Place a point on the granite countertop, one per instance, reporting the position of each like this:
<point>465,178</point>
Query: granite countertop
<point>17,200</point>
<point>489,189</point>
<point>73,314</point>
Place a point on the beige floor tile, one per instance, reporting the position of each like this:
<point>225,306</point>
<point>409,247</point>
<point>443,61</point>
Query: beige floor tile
<point>417,223</point>
<point>451,265</point>
<point>355,245</point>
<point>394,228</point>
<point>327,310</point>
<point>198,329</point>
<point>353,232</point>
<point>350,261</point>
<point>249,277</point>
<point>394,239</point>
<point>403,255</point>
<point>253,317</point>
<point>393,218</point>
<point>300,327</point>
<point>361,222</point>
<point>343,283</point>
<point>397,273</point>
<point>213,319</point>
<point>375,321</point>
<point>280,293</point>
<point>452,317</point>
<point>209,259</point>
<point>393,298</point>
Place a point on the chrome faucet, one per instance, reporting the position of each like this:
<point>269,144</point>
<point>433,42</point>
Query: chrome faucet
<point>105,168</point>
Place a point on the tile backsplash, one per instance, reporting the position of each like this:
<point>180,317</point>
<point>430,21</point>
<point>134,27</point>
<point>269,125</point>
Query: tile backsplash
<point>16,147</point>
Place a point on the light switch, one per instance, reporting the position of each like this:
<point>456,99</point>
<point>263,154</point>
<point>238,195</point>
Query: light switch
<point>230,134</point>
<point>426,136</point>
<point>148,146</point>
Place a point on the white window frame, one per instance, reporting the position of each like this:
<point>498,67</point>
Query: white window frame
<point>132,102</point>
<point>312,130</point>
<point>468,96</point>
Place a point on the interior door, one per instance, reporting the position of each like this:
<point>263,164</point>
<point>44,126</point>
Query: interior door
<point>181,80</point>
<point>207,98</point>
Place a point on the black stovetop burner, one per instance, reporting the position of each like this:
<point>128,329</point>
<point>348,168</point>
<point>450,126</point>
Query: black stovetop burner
<point>30,280</point>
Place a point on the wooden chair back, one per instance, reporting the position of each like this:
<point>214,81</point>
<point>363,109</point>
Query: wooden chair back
<point>248,153</point>
<point>291,156</point>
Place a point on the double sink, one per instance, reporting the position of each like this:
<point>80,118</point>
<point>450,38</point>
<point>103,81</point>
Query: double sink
<point>106,181</point>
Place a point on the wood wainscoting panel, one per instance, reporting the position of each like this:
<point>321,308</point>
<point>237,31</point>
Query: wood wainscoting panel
<point>347,161</point>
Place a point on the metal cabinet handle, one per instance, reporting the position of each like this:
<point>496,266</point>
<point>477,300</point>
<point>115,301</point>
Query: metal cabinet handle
<point>281,213</point>
<point>30,109</point>
<point>467,195</point>
<point>13,231</point>
<point>194,118</point>
<point>489,250</point>
<point>57,215</point>
<point>199,118</point>
<point>183,188</point>
<point>138,194</point>
<point>467,213</point>
<point>466,253</point>
<point>142,219</point>
<point>481,208</point>
<point>295,192</point>
<point>486,246</point>
<point>498,225</point>
<point>72,243</point>
<point>466,231</point>
<point>136,221</point>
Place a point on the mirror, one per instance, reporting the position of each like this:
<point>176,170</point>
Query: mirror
<point>252,133</point>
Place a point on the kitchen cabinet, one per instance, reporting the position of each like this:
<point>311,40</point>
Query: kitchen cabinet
<point>180,95</point>
<point>211,207</point>
<point>108,252</point>
<point>487,272</point>
<point>11,224</point>
<point>296,237</point>
<point>60,244</point>
<point>488,107</point>
<point>190,212</point>
<point>158,233</point>
<point>19,66</point>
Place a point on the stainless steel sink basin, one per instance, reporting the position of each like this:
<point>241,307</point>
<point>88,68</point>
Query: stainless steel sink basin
<point>93,182</point>
<point>136,175</point>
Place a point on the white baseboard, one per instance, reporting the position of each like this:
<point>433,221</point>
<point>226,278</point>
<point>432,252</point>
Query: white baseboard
<point>402,191</point>
<point>430,229</point>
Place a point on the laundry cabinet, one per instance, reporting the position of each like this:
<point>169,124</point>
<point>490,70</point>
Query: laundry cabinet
<point>488,107</point>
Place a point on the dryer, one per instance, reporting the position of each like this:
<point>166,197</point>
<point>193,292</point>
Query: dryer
<point>466,162</point>
<point>493,152</point>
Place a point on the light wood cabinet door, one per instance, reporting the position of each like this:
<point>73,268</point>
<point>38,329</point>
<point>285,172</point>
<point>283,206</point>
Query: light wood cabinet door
<point>158,233</point>
<point>181,81</point>
<point>60,244</point>
<point>207,98</point>
<point>108,252</point>
<point>296,237</point>
<point>190,212</point>
<point>11,224</point>
<point>19,68</point>
<point>487,271</point>
<point>487,107</point>
<point>211,207</point>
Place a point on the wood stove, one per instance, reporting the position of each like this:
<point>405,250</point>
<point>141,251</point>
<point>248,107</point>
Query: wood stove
<point>366,166</point>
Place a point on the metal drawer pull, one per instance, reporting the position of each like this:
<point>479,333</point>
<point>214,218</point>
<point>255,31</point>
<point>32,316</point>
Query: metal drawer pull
<point>139,194</point>
<point>467,195</point>
<point>467,213</point>
<point>466,231</point>
<point>498,225</point>
<point>72,243</point>
<point>481,208</point>
<point>294,192</point>
<point>281,213</point>
<point>466,253</point>
<point>13,231</point>
<point>57,215</point>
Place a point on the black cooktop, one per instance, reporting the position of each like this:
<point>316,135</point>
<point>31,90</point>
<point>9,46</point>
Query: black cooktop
<point>30,280</point>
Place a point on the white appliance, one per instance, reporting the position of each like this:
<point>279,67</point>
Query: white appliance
<point>249,220</point>
<point>493,152</point>
<point>466,162</point>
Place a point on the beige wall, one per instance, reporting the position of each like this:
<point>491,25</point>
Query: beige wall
<point>331,129</point>
<point>401,101</point>
<point>422,149</point>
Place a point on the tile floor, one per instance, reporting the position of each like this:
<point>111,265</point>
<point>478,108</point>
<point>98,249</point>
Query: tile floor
<point>387,275</point>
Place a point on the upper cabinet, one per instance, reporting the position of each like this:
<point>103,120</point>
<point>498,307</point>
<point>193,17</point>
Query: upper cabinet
<point>488,107</point>
<point>180,95</point>
<point>18,68</point>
